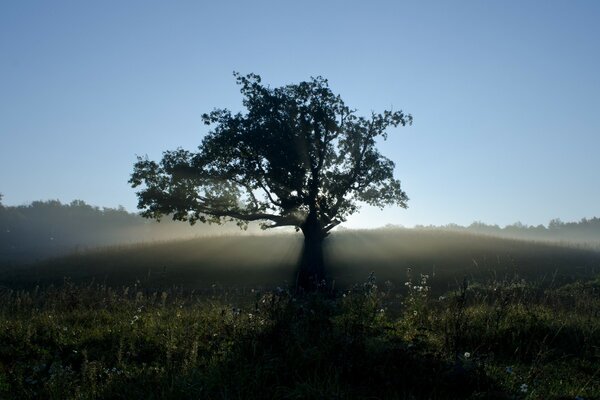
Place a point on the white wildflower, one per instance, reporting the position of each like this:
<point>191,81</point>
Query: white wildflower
<point>524,388</point>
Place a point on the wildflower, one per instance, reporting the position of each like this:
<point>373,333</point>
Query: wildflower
<point>442,298</point>
<point>250,315</point>
<point>524,388</point>
<point>415,312</point>
<point>467,354</point>
<point>509,370</point>
<point>382,310</point>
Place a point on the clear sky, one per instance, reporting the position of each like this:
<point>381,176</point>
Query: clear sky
<point>505,95</point>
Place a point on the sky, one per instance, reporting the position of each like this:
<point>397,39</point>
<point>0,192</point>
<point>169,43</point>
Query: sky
<point>505,95</point>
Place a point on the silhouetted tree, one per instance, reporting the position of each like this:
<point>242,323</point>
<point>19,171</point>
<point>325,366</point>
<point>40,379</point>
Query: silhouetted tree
<point>297,157</point>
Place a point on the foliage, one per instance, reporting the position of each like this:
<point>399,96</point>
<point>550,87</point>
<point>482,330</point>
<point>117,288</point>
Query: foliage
<point>297,155</point>
<point>518,341</point>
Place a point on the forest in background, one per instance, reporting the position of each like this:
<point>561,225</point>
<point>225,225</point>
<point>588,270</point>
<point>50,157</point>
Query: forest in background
<point>43,229</point>
<point>586,231</point>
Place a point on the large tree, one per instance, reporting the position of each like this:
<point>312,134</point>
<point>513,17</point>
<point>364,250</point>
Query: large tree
<point>297,156</point>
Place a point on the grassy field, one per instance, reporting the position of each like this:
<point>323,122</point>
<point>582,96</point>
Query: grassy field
<point>503,340</point>
<point>444,316</point>
<point>269,261</point>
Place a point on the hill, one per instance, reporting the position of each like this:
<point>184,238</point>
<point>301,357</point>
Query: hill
<point>270,260</point>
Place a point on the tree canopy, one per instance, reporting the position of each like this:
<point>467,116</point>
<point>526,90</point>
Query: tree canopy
<point>297,156</point>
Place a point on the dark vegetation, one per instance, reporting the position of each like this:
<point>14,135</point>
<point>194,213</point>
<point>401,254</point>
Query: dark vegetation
<point>502,339</point>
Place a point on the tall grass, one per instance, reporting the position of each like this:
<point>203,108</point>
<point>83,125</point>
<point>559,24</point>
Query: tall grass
<point>504,339</point>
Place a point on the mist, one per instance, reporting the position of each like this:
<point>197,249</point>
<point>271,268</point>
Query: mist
<point>45,229</point>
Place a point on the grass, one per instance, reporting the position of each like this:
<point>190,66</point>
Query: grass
<point>504,339</point>
<point>445,316</point>
<point>269,261</point>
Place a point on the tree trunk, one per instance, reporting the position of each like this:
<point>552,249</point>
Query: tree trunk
<point>311,270</point>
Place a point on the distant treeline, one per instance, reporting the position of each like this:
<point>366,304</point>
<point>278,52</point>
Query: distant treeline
<point>586,231</point>
<point>49,228</point>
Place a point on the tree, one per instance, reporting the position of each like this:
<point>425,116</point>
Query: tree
<point>297,157</point>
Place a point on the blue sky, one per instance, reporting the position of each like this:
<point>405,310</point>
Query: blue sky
<point>505,95</point>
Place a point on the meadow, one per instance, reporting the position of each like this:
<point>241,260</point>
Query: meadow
<point>269,261</point>
<point>407,314</point>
